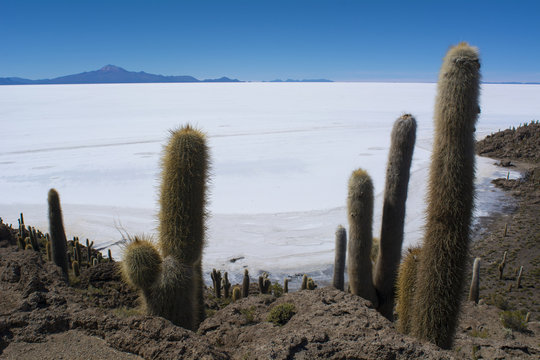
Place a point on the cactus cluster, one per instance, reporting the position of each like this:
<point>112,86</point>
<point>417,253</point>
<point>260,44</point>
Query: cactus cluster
<point>171,279</point>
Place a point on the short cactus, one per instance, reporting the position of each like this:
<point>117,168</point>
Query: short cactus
<point>58,235</point>
<point>311,284</point>
<point>360,215</point>
<point>304,282</point>
<point>169,278</point>
<point>226,285</point>
<point>406,287</point>
<point>236,294</point>
<point>286,285</point>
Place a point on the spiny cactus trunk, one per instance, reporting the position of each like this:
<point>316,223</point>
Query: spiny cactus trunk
<point>395,195</point>
<point>339,261</point>
<point>58,235</point>
<point>360,215</point>
<point>450,199</point>
<point>406,287</point>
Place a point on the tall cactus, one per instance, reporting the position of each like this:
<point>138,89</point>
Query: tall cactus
<point>339,261</point>
<point>360,215</point>
<point>58,235</point>
<point>450,199</point>
<point>170,281</point>
<point>395,195</point>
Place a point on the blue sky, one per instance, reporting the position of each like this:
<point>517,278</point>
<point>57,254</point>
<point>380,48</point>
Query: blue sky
<point>268,39</point>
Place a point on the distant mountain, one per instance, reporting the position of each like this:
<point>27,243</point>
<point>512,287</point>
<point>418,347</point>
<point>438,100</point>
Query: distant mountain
<point>111,74</point>
<point>305,80</point>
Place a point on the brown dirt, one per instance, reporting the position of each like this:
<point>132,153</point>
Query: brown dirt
<point>98,316</point>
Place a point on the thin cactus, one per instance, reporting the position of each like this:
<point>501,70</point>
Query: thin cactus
<point>339,261</point>
<point>245,284</point>
<point>518,283</point>
<point>360,216</point>
<point>58,235</point>
<point>286,285</point>
<point>502,265</point>
<point>76,268</point>
<point>395,195</point>
<point>226,285</point>
<point>474,291</point>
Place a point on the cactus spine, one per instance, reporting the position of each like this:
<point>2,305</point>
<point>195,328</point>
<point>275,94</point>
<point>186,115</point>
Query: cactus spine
<point>395,195</point>
<point>450,199</point>
<point>339,260</point>
<point>406,287</point>
<point>360,215</point>
<point>58,235</point>
<point>474,291</point>
<point>245,284</point>
<point>169,280</point>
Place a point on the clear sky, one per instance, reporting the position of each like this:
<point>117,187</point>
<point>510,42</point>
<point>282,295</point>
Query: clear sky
<point>342,40</point>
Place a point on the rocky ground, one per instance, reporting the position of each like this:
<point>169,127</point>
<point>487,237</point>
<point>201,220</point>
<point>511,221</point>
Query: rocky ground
<point>98,316</point>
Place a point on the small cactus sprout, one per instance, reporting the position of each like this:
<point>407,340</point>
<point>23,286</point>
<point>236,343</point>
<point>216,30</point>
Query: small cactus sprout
<point>216,280</point>
<point>286,285</point>
<point>474,292</point>
<point>304,282</point>
<point>226,285</point>
<point>76,269</point>
<point>502,265</point>
<point>236,294</point>
<point>518,284</point>
<point>58,235</point>
<point>406,286</point>
<point>528,317</point>
<point>450,199</point>
<point>110,255</point>
<point>339,261</point>
<point>395,195</point>
<point>311,284</point>
<point>245,284</point>
<point>360,215</point>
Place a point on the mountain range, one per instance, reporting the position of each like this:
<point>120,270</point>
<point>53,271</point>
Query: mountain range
<point>111,74</point>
